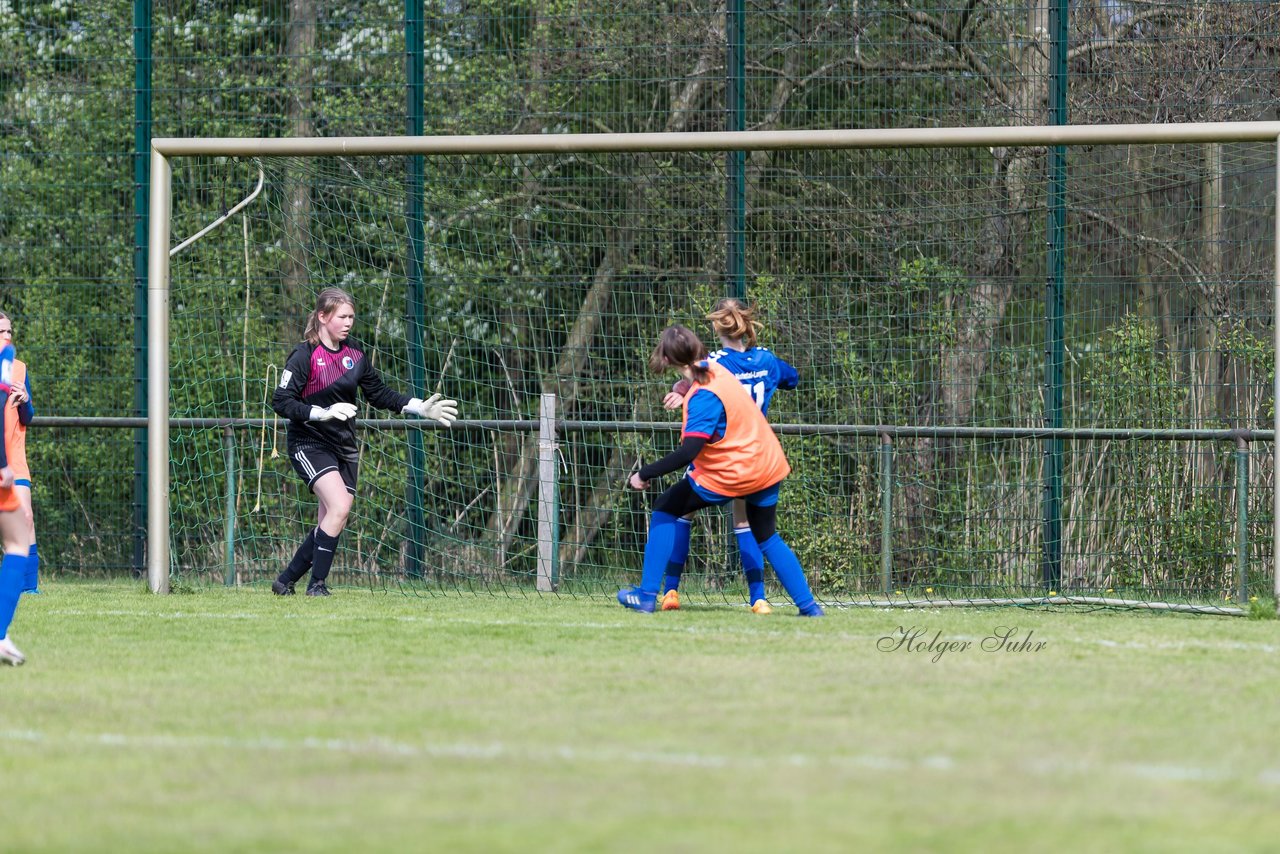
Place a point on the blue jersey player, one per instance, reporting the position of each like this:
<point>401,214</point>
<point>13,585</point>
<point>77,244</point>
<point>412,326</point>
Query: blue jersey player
<point>762,373</point>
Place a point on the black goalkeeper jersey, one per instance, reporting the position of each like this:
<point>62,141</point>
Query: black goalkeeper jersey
<point>314,375</point>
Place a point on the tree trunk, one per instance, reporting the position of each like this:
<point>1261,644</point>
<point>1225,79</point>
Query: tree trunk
<point>300,45</point>
<point>1211,308</point>
<point>964,359</point>
<point>1147,292</point>
<point>593,515</point>
<point>516,452</point>
<point>505,521</point>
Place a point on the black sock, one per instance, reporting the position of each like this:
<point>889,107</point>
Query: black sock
<point>325,547</point>
<point>301,560</point>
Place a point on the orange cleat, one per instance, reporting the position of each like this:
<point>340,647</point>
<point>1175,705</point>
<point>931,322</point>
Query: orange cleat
<point>671,600</point>
<point>761,607</point>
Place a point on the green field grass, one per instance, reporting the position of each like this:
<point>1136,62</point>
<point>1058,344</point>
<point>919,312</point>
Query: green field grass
<point>237,721</point>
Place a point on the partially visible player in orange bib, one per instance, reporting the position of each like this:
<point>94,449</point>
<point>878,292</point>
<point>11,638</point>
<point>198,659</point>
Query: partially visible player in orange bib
<point>12,527</point>
<point>15,428</point>
<point>9,502</point>
<point>15,443</point>
<point>734,454</point>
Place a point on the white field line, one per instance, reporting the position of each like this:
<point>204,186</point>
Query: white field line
<point>755,627</point>
<point>498,751</point>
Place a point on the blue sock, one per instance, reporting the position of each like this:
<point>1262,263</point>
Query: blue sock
<point>752,564</point>
<point>31,582</point>
<point>787,566</point>
<point>679,555</point>
<point>657,550</point>
<point>12,571</point>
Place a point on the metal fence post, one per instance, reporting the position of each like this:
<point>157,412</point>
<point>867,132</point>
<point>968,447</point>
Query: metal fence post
<point>548,495</point>
<point>415,293</point>
<point>141,227</point>
<point>229,523</point>
<point>886,513</point>
<point>1055,304</point>
<point>1242,520</point>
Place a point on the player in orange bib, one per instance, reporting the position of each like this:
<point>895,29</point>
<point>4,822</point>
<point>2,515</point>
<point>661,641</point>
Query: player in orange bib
<point>761,373</point>
<point>12,528</point>
<point>16,420</point>
<point>734,454</point>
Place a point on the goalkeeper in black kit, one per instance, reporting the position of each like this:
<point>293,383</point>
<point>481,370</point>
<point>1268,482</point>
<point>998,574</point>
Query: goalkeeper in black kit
<point>317,393</point>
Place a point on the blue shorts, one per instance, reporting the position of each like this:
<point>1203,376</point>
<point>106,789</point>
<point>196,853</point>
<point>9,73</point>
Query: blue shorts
<point>766,497</point>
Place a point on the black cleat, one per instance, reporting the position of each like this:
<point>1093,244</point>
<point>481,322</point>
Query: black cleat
<point>318,589</point>
<point>279,588</point>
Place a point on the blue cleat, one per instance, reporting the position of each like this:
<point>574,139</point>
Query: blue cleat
<point>637,600</point>
<point>812,610</point>
<point>32,590</point>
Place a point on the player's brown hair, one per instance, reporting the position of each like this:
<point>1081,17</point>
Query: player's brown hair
<point>678,347</point>
<point>327,301</point>
<point>733,319</point>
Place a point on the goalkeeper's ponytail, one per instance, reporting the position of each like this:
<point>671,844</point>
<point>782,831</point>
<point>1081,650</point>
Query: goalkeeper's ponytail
<point>327,302</point>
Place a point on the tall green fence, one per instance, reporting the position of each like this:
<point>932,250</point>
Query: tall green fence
<point>1118,287</point>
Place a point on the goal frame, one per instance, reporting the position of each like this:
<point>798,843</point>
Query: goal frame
<point>161,205</point>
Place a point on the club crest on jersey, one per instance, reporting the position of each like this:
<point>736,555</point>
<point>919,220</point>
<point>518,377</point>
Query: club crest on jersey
<point>348,362</point>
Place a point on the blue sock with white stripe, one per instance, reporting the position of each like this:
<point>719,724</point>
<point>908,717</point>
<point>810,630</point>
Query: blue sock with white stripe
<point>752,563</point>
<point>679,555</point>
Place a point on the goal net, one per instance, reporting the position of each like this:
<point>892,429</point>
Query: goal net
<point>938,321</point>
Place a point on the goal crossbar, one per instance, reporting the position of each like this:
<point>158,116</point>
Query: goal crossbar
<point>1190,132</point>
<point>164,148</point>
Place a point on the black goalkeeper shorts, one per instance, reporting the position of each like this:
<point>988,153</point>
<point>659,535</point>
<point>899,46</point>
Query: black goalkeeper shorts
<point>312,461</point>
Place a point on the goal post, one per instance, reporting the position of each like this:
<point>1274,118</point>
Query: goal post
<point>167,150</point>
<point>159,207</point>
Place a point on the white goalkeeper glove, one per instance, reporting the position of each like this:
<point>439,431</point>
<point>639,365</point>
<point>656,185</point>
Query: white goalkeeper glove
<point>336,412</point>
<point>434,408</point>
